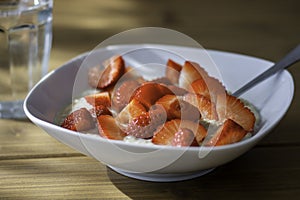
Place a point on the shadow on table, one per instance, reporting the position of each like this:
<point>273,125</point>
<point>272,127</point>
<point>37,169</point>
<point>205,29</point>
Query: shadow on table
<point>255,175</point>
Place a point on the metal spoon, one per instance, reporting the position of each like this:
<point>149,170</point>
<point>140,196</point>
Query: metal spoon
<point>291,58</point>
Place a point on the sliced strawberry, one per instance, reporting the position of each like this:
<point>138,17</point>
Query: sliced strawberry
<point>131,110</point>
<point>166,133</point>
<point>208,87</point>
<point>177,90</point>
<point>109,89</point>
<point>121,95</point>
<point>184,137</point>
<point>171,105</point>
<point>94,74</point>
<point>108,128</point>
<point>230,132</point>
<point>190,72</point>
<point>172,71</point>
<point>144,125</point>
<point>148,93</point>
<point>230,107</point>
<point>101,79</point>
<point>79,120</point>
<point>178,109</point>
<point>98,99</point>
<point>189,111</point>
<point>204,105</point>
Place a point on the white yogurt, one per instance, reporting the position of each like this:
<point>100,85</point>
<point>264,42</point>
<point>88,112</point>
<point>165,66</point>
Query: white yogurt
<point>81,103</point>
<point>132,139</point>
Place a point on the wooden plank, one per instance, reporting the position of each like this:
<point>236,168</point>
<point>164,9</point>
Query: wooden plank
<point>264,173</point>
<point>22,139</point>
<point>54,178</point>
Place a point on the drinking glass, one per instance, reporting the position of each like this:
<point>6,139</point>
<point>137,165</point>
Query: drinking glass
<point>25,44</point>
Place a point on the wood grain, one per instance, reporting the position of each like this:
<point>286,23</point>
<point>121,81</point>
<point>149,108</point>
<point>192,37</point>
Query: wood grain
<point>22,139</point>
<point>248,177</point>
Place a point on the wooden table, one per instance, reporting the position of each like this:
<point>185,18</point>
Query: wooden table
<point>35,166</point>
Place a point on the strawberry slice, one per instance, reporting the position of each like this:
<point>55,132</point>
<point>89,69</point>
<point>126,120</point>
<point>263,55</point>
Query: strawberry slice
<point>109,129</point>
<point>132,110</point>
<point>177,108</point>
<point>148,93</point>
<point>166,134</point>
<point>121,96</point>
<point>79,120</point>
<point>177,90</point>
<point>204,105</point>
<point>190,72</point>
<point>230,132</point>
<point>101,79</point>
<point>230,107</point>
<point>172,71</point>
<point>208,87</point>
<point>144,125</point>
<point>171,105</point>
<point>184,137</point>
<point>93,76</point>
<point>97,99</point>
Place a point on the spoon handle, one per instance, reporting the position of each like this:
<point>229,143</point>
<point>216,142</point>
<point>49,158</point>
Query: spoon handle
<point>292,57</point>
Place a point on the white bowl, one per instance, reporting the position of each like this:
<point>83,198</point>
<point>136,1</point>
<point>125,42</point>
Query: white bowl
<point>272,98</point>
